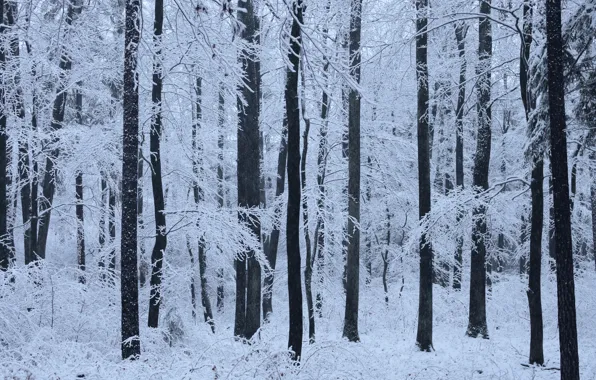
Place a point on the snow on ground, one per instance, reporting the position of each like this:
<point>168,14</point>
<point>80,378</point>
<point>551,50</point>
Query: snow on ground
<point>72,332</point>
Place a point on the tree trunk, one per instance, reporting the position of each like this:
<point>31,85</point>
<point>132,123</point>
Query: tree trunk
<point>103,201</point>
<point>4,249</point>
<point>59,106</point>
<point>424,336</point>
<point>536,188</point>
<point>193,287</point>
<point>23,165</point>
<point>131,344</point>
<point>79,197</point>
<point>477,312</point>
<point>461,29</point>
<point>144,265</point>
<point>220,185</point>
<point>248,296</point>
<point>112,232</point>
<point>558,143</point>
<point>274,237</point>
<point>156,181</point>
<point>353,260</point>
<point>294,190</point>
<point>319,237</point>
<point>305,220</point>
<point>197,168</point>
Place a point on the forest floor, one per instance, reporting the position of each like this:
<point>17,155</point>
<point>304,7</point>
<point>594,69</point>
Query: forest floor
<point>72,333</point>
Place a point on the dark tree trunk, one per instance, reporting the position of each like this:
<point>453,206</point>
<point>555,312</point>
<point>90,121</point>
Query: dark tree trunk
<point>23,165</point>
<point>248,296</point>
<point>31,255</point>
<point>193,287</point>
<point>220,185</point>
<point>156,181</point>
<point>353,257</point>
<point>319,237</point>
<point>205,301</point>
<point>385,257</point>
<point>197,168</point>
<point>112,232</point>
<point>4,249</point>
<point>536,188</point>
<point>49,179</point>
<point>424,336</point>
<point>274,237</point>
<point>79,198</point>
<point>103,201</point>
<point>305,220</point>
<point>131,344</point>
<point>294,190</point>
<point>461,30</point>
<point>558,143</point>
<point>144,265</point>
<point>477,313</point>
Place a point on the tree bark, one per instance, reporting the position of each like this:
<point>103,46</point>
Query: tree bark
<point>248,296</point>
<point>4,249</point>
<point>353,256</point>
<point>197,168</point>
<point>305,220</point>
<point>274,237</point>
<point>131,344</point>
<point>79,198</point>
<point>294,190</point>
<point>157,255</point>
<point>558,143</point>
<point>424,336</point>
<point>477,312</point>
<point>461,29</point>
<point>536,188</point>
<point>220,185</point>
<point>24,163</point>
<point>319,236</point>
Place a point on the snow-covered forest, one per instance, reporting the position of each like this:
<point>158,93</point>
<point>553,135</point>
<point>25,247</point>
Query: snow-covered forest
<point>302,189</point>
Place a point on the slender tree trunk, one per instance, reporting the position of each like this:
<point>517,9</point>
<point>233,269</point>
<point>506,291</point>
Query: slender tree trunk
<point>112,234</point>
<point>23,165</point>
<point>477,312</point>
<point>536,188</point>
<point>274,237</point>
<point>131,343</point>
<point>319,237</point>
<point>220,185</point>
<point>424,336</point>
<point>294,190</point>
<point>4,249</point>
<point>308,269</point>
<point>552,249</point>
<point>79,197</point>
<point>353,260</point>
<point>156,180</point>
<point>31,255</point>
<point>248,275</point>
<point>385,257</point>
<point>461,29</point>
<point>103,201</point>
<point>558,142</point>
<point>144,265</point>
<point>59,106</point>
<point>193,287</point>
<point>197,166</point>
